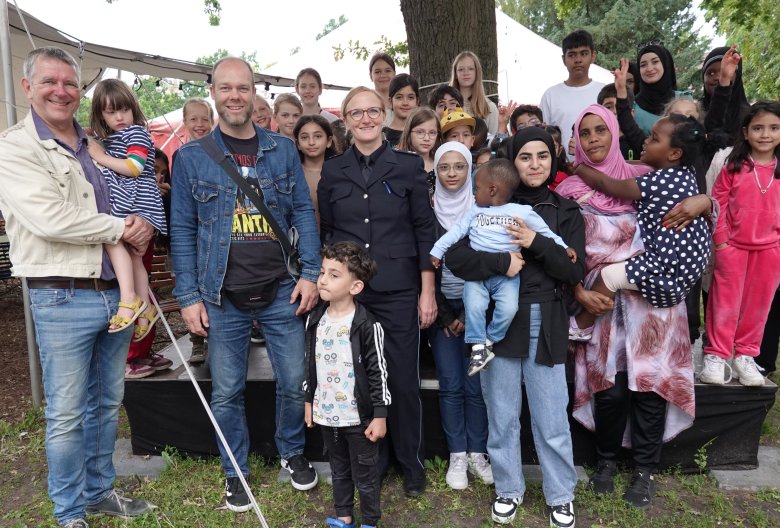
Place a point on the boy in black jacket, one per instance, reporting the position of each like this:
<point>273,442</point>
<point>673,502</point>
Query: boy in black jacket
<point>346,381</point>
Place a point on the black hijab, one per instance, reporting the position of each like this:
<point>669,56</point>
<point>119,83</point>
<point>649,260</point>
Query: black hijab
<point>653,97</point>
<point>534,195</point>
<point>738,103</point>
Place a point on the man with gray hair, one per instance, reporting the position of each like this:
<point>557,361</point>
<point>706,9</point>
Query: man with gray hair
<point>56,205</point>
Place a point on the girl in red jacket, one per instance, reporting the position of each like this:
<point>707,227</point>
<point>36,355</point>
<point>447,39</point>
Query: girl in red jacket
<point>747,248</point>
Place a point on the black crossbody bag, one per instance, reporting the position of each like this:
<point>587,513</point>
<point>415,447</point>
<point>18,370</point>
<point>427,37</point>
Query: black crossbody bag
<point>255,296</point>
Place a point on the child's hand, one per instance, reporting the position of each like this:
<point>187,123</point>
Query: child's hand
<point>377,429</point>
<point>436,262</point>
<point>95,149</point>
<point>621,74</point>
<point>728,66</point>
<point>572,255</point>
<point>455,328</point>
<point>307,415</point>
<point>504,114</point>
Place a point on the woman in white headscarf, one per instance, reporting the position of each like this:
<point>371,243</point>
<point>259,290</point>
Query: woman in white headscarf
<point>463,413</point>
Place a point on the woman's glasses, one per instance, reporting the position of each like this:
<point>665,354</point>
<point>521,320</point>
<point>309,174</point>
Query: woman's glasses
<point>372,112</point>
<point>457,167</point>
<point>422,134</point>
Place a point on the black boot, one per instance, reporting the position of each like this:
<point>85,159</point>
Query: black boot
<point>603,479</point>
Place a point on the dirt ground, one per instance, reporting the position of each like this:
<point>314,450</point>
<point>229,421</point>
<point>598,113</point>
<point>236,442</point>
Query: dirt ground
<point>15,375</point>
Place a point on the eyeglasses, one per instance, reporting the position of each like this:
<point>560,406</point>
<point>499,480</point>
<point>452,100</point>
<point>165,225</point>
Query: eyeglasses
<point>531,122</point>
<point>422,134</point>
<point>654,42</point>
<point>372,112</point>
<point>457,167</point>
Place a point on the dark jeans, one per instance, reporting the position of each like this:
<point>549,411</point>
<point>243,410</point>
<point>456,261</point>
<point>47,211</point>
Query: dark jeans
<point>692,303</point>
<point>767,358</point>
<point>647,411</point>
<point>353,460</point>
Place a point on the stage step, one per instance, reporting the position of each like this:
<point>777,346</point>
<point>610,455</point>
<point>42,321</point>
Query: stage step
<point>164,410</point>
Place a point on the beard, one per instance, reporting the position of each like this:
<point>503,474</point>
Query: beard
<point>235,120</point>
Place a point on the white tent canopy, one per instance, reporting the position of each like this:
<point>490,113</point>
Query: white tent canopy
<point>96,59</point>
<point>527,63</point>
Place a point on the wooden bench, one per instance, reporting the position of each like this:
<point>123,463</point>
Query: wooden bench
<point>162,278</point>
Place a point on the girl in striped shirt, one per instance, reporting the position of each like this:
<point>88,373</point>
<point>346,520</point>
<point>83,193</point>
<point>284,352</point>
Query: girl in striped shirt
<point>126,158</point>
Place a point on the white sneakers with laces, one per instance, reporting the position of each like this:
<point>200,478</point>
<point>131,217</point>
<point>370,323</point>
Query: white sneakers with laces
<point>457,477</point>
<point>748,372</point>
<point>714,370</point>
<point>479,466</point>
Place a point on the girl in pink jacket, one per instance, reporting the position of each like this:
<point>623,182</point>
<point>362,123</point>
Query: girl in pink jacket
<point>747,248</point>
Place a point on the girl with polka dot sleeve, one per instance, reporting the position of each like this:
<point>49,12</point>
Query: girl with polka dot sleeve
<point>674,259</point>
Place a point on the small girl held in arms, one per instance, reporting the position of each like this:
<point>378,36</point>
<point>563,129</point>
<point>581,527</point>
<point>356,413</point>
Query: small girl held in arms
<point>127,164</point>
<point>747,248</point>
<point>674,258</point>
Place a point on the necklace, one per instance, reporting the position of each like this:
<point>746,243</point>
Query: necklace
<point>755,173</point>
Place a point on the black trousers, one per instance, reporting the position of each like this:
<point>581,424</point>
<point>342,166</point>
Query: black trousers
<point>647,412</point>
<point>353,461</point>
<point>693,306</point>
<point>397,312</point>
<point>767,358</point>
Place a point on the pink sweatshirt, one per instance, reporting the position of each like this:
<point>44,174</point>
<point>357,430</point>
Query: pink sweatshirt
<point>748,218</point>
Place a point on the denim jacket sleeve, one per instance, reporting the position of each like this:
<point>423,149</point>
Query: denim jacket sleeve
<point>184,230</point>
<point>302,217</point>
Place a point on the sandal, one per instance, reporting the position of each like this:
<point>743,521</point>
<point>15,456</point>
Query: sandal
<point>121,322</point>
<point>142,330</point>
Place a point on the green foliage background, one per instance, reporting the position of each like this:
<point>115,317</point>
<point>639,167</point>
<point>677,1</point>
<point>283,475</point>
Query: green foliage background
<point>618,26</point>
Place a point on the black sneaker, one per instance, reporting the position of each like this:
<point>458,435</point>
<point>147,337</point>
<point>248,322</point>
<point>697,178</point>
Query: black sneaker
<point>505,509</point>
<point>480,357</point>
<point>562,516</point>
<point>118,505</point>
<point>642,489</point>
<point>414,487</point>
<point>258,338</point>
<point>302,475</point>
<point>603,479</point>
<point>236,498</point>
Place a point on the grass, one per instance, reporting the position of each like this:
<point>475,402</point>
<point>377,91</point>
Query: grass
<point>189,493</point>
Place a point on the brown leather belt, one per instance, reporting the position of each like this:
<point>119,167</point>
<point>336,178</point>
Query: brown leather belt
<point>67,284</point>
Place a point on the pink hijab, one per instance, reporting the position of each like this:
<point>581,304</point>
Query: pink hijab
<point>613,165</point>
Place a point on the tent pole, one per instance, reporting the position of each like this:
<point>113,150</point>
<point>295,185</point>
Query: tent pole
<point>5,56</point>
<point>8,87</point>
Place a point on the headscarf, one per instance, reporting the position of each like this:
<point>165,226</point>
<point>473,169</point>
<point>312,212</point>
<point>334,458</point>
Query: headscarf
<point>738,103</point>
<point>450,206</point>
<point>653,97</point>
<point>534,195</point>
<point>613,165</point>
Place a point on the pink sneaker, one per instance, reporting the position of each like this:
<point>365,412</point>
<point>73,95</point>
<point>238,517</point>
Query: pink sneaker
<point>156,361</point>
<point>576,333</point>
<point>137,370</point>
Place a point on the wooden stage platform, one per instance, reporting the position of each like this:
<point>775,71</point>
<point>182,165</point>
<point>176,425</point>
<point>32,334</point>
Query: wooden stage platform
<point>164,410</point>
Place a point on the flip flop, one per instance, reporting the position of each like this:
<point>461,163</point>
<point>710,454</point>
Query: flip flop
<point>142,330</point>
<point>121,322</point>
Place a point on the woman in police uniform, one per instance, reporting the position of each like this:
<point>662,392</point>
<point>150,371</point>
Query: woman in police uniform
<point>378,198</point>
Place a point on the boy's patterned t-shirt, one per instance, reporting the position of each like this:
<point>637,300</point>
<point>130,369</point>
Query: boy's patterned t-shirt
<point>334,401</point>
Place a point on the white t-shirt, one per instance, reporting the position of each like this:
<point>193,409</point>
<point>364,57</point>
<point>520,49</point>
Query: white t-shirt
<point>334,402</point>
<point>561,105</point>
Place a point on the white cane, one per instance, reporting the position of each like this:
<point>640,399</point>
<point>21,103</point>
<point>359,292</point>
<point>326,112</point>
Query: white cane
<point>205,404</point>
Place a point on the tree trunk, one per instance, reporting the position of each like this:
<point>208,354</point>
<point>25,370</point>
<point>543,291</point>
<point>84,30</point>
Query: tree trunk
<point>437,30</point>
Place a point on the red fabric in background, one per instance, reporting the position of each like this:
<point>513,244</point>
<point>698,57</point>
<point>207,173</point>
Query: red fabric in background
<point>143,348</point>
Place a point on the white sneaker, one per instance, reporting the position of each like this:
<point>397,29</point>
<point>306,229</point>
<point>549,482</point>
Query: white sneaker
<point>457,476</point>
<point>748,372</point>
<point>505,509</point>
<point>562,516</point>
<point>714,370</point>
<point>479,466</point>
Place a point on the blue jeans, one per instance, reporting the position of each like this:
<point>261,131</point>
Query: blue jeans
<point>229,332</point>
<point>548,397</point>
<point>83,380</point>
<point>477,295</point>
<point>463,413</point>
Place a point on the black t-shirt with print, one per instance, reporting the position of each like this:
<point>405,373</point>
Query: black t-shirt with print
<point>255,254</point>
